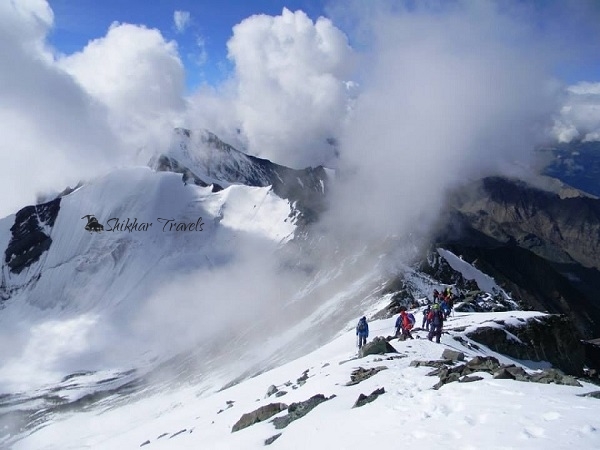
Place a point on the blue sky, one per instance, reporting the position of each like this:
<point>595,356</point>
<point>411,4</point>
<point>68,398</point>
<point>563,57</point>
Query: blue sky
<point>465,76</point>
<point>78,21</point>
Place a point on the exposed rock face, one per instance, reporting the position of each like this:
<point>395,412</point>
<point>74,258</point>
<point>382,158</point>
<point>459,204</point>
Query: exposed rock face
<point>439,269</point>
<point>549,338</point>
<point>558,229</point>
<point>541,247</point>
<point>592,353</point>
<point>263,413</point>
<point>30,236</point>
<point>378,346</point>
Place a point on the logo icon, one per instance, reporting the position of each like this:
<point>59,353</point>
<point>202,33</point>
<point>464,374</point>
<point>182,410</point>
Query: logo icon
<point>93,224</point>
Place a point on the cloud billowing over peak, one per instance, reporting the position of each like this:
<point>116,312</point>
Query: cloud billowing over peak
<point>409,93</point>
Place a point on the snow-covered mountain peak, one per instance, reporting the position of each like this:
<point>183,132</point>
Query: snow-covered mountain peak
<point>204,159</point>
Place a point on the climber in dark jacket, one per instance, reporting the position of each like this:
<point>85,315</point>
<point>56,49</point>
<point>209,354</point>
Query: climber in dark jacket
<point>362,331</point>
<point>436,323</point>
<point>425,325</point>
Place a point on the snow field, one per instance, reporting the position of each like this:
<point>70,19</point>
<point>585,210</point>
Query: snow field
<point>491,414</point>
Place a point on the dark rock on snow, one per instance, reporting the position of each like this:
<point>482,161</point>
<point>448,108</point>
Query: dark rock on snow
<point>554,376</point>
<point>271,390</point>
<point>362,374</point>
<point>378,346</point>
<point>178,433</point>
<point>470,379</point>
<point>453,355</point>
<point>272,439</point>
<point>437,364</point>
<point>298,410</point>
<point>303,378</point>
<point>29,238</point>
<point>595,394</point>
<point>503,374</point>
<point>364,399</point>
<point>549,338</point>
<point>263,413</point>
<point>491,365</point>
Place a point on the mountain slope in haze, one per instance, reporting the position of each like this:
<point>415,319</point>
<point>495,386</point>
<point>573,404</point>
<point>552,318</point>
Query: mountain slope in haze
<point>116,279</point>
<point>143,306</point>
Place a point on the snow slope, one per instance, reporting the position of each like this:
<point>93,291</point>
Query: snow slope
<point>490,414</point>
<point>484,281</point>
<point>110,314</point>
<point>98,291</point>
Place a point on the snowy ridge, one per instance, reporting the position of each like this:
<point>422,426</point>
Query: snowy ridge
<point>215,161</point>
<point>485,282</point>
<point>490,413</point>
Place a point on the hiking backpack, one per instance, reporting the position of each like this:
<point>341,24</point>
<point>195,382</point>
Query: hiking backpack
<point>362,326</point>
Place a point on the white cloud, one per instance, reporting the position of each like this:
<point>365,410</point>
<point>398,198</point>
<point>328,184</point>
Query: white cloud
<point>65,120</point>
<point>137,75</point>
<point>446,97</point>
<point>202,55</point>
<point>181,20</point>
<point>291,95</point>
<point>53,133</point>
<point>580,116</point>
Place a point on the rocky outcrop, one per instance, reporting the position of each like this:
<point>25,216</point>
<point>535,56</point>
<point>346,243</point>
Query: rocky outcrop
<point>272,439</point>
<point>299,410</point>
<point>488,364</point>
<point>438,268</point>
<point>362,374</point>
<point>378,346</point>
<point>30,235</point>
<point>595,394</point>
<point>453,355</point>
<point>549,338</point>
<point>364,399</point>
<point>263,413</point>
<point>558,229</point>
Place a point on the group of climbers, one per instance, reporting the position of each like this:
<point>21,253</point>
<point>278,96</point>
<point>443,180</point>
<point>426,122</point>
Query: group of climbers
<point>445,300</point>
<point>434,316</point>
